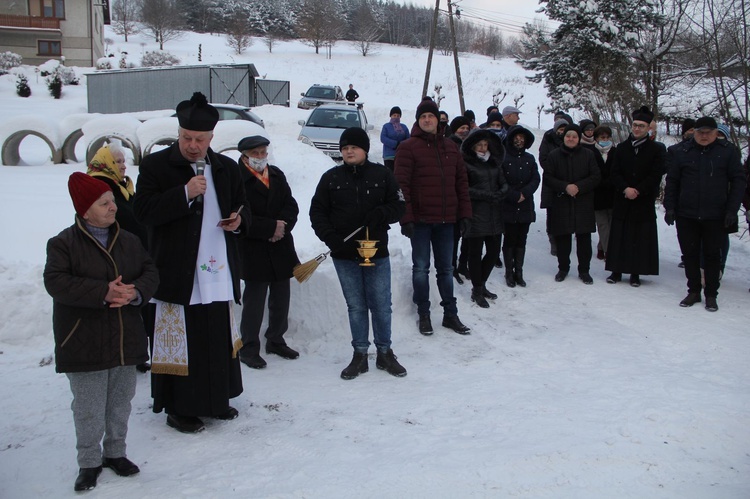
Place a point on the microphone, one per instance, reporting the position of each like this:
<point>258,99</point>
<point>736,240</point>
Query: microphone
<point>200,167</point>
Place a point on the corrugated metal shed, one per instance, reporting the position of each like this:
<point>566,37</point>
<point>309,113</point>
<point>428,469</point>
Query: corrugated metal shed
<point>147,89</point>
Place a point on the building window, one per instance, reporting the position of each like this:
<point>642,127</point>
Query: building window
<point>53,8</point>
<point>49,47</point>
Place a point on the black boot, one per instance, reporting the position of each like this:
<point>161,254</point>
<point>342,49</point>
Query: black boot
<point>425,324</point>
<point>477,296</point>
<point>87,478</point>
<point>510,279</point>
<point>488,294</point>
<point>519,254</point>
<point>387,362</point>
<point>357,366</point>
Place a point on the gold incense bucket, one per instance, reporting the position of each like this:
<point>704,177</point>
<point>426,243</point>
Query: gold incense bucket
<point>367,249</point>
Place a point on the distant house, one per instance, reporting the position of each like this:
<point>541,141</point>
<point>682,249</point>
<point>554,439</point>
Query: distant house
<point>40,30</point>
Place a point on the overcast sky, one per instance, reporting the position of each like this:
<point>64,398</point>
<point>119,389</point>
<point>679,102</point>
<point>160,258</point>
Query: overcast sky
<point>508,15</point>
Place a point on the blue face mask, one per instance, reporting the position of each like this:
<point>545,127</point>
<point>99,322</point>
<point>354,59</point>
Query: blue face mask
<point>605,143</point>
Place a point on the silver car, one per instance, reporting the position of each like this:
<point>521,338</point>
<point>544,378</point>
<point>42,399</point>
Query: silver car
<point>324,126</point>
<point>320,94</point>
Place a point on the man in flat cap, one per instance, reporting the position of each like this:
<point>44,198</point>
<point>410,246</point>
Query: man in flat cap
<point>189,197</point>
<point>267,253</point>
<point>704,189</point>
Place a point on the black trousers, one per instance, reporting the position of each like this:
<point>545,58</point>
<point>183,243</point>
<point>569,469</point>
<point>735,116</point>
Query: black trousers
<point>253,307</point>
<point>583,251</point>
<point>515,235</point>
<point>481,267</point>
<point>694,234</point>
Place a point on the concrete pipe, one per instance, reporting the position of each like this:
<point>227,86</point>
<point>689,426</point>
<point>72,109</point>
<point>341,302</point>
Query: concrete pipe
<point>11,147</point>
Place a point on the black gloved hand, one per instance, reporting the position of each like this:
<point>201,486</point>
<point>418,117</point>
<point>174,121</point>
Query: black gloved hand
<point>669,217</point>
<point>730,220</point>
<point>375,219</point>
<point>463,226</point>
<point>407,229</point>
<point>335,242</point>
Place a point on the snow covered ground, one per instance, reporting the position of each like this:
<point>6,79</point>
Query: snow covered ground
<point>561,391</point>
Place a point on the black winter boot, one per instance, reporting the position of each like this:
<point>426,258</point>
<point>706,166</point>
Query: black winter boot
<point>510,279</point>
<point>357,366</point>
<point>387,362</point>
<point>519,254</point>
<point>477,296</point>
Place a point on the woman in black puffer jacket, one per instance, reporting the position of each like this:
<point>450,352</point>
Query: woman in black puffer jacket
<point>523,178</point>
<point>483,154</point>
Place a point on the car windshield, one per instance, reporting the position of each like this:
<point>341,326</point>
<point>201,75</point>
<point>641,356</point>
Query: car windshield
<point>333,118</point>
<point>321,93</point>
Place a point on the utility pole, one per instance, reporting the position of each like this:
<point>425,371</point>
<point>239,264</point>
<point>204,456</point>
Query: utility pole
<point>433,35</point>
<point>455,59</point>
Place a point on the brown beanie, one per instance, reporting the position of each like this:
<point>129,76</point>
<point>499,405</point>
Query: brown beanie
<point>85,190</point>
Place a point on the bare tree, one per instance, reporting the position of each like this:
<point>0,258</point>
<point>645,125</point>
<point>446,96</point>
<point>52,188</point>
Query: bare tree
<point>366,29</point>
<point>318,23</point>
<point>724,44</point>
<point>124,17</point>
<point>162,19</point>
<point>238,32</point>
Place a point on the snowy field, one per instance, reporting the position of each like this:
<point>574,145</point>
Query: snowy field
<point>561,391</point>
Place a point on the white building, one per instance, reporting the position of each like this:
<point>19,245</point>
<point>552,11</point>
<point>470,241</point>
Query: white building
<point>40,30</point>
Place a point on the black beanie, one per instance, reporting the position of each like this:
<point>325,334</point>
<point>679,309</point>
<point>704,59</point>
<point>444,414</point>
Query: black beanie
<point>197,114</point>
<point>469,115</point>
<point>643,114</point>
<point>574,128</point>
<point>427,106</point>
<point>458,122</point>
<point>355,136</point>
<point>395,109</point>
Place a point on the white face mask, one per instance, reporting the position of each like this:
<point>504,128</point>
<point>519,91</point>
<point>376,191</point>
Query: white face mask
<point>257,164</point>
<point>483,156</point>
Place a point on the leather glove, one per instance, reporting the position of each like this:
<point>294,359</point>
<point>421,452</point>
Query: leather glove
<point>669,217</point>
<point>407,229</point>
<point>375,219</point>
<point>463,226</point>
<point>730,220</point>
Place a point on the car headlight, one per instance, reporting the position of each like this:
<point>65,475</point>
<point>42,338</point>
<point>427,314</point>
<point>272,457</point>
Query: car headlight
<point>305,140</point>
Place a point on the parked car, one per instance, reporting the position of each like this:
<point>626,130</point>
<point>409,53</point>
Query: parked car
<point>235,112</point>
<point>326,123</point>
<point>320,94</point>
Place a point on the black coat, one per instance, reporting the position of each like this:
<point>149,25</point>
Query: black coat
<point>263,260</point>
<point>89,335</point>
<point>522,174</point>
<point>704,183</point>
<point>487,184</point>
<point>346,197</point>
<point>550,142</point>
<point>567,214</point>
<point>174,226</point>
<point>633,238</point>
<point>604,194</point>
<point>642,170</point>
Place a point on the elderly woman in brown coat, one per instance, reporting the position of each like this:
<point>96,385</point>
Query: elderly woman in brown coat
<point>98,277</point>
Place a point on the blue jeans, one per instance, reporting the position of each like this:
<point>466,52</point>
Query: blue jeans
<point>367,289</point>
<point>440,238</point>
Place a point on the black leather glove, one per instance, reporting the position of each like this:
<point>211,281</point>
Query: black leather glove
<point>407,229</point>
<point>375,219</point>
<point>669,217</point>
<point>730,220</point>
<point>463,226</point>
